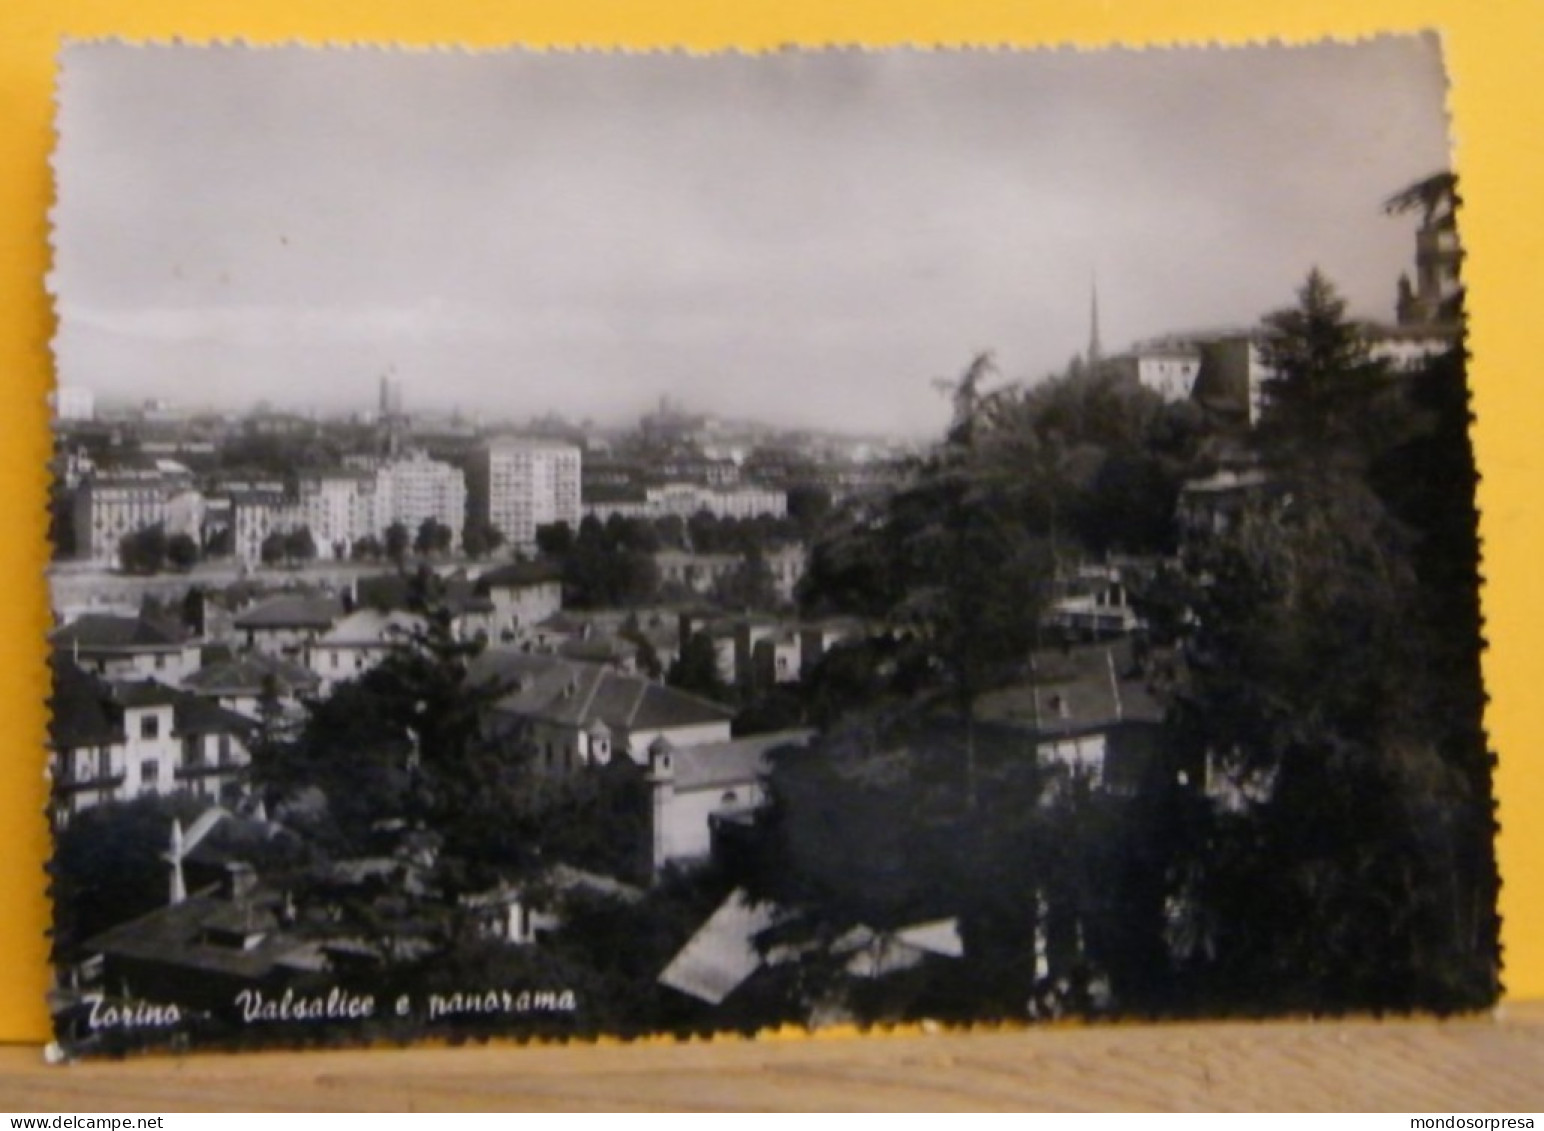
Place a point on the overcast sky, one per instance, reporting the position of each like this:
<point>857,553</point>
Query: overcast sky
<point>804,238</point>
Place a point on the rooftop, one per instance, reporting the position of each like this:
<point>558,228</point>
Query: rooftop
<point>733,762</point>
<point>395,591</point>
<point>81,710</point>
<point>248,674</point>
<point>299,611</point>
<point>517,574</point>
<point>366,627</point>
<point>88,712</point>
<point>109,632</point>
<point>598,649</point>
<point>143,693</point>
<point>193,715</point>
<point>574,693</point>
<point>178,935</point>
<point>722,955</point>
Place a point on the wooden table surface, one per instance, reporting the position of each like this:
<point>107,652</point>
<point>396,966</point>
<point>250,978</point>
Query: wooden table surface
<point>1471,1064</point>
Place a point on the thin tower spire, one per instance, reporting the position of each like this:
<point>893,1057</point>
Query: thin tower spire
<point>1095,351</point>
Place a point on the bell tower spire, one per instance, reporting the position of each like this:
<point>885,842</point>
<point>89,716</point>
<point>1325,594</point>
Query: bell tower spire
<point>1095,350</point>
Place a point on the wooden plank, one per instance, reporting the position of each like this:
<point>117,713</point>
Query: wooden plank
<point>1468,1064</point>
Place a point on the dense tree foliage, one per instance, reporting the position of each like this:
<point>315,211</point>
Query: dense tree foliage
<point>144,551</point>
<point>220,543</point>
<point>1336,692</point>
<point>108,867</point>
<point>110,863</point>
<point>696,669</point>
<point>479,539</point>
<point>749,586</point>
<point>433,537</point>
<point>300,545</point>
<point>279,455</point>
<point>397,542</point>
<point>61,520</point>
<point>1329,641</point>
<point>273,548</point>
<point>607,565</point>
<point>181,551</point>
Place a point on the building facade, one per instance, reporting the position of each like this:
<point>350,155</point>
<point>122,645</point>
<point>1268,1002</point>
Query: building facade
<point>117,740</point>
<point>687,499</point>
<point>339,508</point>
<point>518,485</point>
<point>417,489</point>
<point>1167,368</point>
<point>110,505</point>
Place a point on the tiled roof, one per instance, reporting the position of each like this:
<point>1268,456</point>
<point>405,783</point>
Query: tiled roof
<point>193,715</point>
<point>293,612</point>
<point>663,708</point>
<point>394,591</point>
<point>108,631</point>
<point>177,936</point>
<point>728,763</point>
<point>517,574</point>
<point>143,693</point>
<point>82,712</point>
<point>370,627</point>
<point>246,675</point>
<point>576,694</point>
<point>87,711</point>
<point>563,622</point>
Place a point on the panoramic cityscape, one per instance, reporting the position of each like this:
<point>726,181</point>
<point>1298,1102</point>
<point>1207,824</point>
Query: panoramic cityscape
<point>1146,685</point>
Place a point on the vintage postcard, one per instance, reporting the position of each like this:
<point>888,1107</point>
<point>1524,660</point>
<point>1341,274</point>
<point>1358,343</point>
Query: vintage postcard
<point>560,544</point>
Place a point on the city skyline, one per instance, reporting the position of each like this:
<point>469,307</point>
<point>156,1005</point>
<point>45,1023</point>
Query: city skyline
<point>719,230</point>
<point>1155,691</point>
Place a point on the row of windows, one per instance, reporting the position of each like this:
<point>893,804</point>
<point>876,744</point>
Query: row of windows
<point>100,760</point>
<point>334,661</point>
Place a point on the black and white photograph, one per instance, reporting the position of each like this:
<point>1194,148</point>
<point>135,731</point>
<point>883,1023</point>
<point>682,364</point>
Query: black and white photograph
<point>549,545</point>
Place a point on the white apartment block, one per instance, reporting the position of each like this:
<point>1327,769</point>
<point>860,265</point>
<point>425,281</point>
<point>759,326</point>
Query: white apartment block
<point>687,499</point>
<point>417,488</point>
<point>1168,369</point>
<point>519,485</point>
<point>115,504</point>
<point>257,513</point>
<point>330,506</point>
<point>342,505</point>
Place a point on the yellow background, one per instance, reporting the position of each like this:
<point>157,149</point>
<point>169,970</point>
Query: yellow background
<point>1497,102</point>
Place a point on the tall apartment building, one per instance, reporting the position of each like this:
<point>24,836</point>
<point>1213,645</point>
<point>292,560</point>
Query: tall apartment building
<point>339,508</point>
<point>416,488</point>
<point>112,504</point>
<point>256,511</point>
<point>518,485</point>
